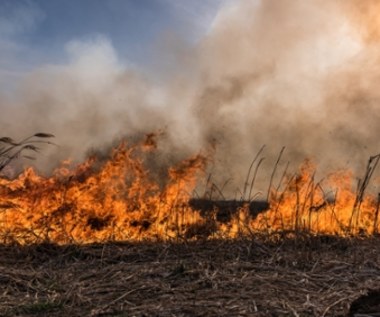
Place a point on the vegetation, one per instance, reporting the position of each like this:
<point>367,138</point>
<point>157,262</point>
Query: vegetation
<point>260,270</point>
<point>281,276</point>
<point>11,149</point>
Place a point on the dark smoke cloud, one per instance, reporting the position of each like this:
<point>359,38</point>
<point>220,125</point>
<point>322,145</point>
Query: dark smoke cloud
<point>293,73</point>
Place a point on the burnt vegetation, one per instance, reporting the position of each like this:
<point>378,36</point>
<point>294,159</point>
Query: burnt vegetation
<point>280,276</point>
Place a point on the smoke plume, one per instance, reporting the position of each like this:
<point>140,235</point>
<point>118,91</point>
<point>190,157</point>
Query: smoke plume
<point>293,73</point>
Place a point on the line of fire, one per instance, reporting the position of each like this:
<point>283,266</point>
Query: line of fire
<point>119,199</point>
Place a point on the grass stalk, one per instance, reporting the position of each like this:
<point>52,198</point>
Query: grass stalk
<point>362,186</point>
<point>376,215</point>
<point>274,172</point>
<point>246,183</point>
<point>11,150</point>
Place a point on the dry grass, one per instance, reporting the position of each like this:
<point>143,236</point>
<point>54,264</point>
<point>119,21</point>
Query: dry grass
<point>11,150</point>
<point>280,276</point>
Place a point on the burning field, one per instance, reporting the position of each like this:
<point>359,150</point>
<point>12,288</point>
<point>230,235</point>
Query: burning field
<point>241,181</point>
<point>117,198</point>
<point>105,238</point>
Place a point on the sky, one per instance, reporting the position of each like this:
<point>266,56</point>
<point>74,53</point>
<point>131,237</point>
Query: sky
<point>38,32</point>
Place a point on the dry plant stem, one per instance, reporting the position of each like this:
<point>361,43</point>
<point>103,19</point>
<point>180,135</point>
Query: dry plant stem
<point>333,213</point>
<point>310,209</point>
<point>280,200</point>
<point>254,179</point>
<point>376,215</point>
<point>208,194</point>
<point>297,208</point>
<point>212,278</point>
<point>274,172</point>
<point>333,304</point>
<point>362,186</point>
<point>13,149</point>
<point>281,180</point>
<point>208,184</point>
<point>308,195</point>
<point>249,172</point>
<point>220,191</point>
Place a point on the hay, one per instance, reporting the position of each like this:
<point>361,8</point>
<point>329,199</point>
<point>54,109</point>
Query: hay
<point>280,276</point>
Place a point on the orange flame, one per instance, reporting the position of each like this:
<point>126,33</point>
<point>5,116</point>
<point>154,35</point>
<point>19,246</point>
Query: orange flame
<point>119,200</point>
<point>305,206</point>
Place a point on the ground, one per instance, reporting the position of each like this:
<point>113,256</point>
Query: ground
<point>259,276</point>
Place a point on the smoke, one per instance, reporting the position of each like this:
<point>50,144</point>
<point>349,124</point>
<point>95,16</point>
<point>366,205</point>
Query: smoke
<point>299,74</point>
<point>293,73</point>
<point>85,103</point>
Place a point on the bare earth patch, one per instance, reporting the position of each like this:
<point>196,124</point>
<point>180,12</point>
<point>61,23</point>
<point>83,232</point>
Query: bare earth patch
<point>281,276</point>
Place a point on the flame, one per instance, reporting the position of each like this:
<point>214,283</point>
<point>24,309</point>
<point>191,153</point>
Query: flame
<point>117,201</point>
<point>120,200</point>
<point>304,205</point>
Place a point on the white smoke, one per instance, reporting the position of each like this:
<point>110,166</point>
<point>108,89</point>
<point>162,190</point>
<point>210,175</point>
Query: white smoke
<point>293,73</point>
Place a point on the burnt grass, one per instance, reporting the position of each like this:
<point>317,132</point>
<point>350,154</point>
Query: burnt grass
<point>280,275</point>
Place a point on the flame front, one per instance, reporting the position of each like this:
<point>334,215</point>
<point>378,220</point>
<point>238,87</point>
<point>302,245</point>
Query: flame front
<point>119,200</point>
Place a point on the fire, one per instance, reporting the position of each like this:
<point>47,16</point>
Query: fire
<point>117,201</point>
<point>120,200</point>
<point>304,205</point>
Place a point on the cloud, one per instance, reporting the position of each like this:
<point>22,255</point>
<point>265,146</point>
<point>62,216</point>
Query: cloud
<point>16,20</point>
<point>19,18</point>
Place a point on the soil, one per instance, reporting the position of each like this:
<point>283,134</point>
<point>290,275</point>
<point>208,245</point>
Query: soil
<point>280,275</point>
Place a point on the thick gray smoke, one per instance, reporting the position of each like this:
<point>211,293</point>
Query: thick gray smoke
<point>293,73</point>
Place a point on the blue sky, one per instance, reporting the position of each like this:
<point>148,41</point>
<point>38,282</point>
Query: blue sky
<point>36,32</point>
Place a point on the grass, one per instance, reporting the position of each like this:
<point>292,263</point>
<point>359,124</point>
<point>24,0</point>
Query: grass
<point>48,210</point>
<point>281,276</point>
<point>283,272</point>
<point>11,150</point>
<point>39,309</point>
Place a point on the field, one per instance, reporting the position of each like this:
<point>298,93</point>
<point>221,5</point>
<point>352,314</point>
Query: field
<point>310,249</point>
<point>281,275</point>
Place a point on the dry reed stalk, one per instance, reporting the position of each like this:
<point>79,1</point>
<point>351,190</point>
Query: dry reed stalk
<point>274,172</point>
<point>254,179</point>
<point>312,276</point>
<point>376,215</point>
<point>362,186</point>
<point>11,150</point>
<point>246,183</point>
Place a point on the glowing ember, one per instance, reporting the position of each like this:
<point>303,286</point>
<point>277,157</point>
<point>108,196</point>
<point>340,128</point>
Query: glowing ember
<point>119,200</point>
